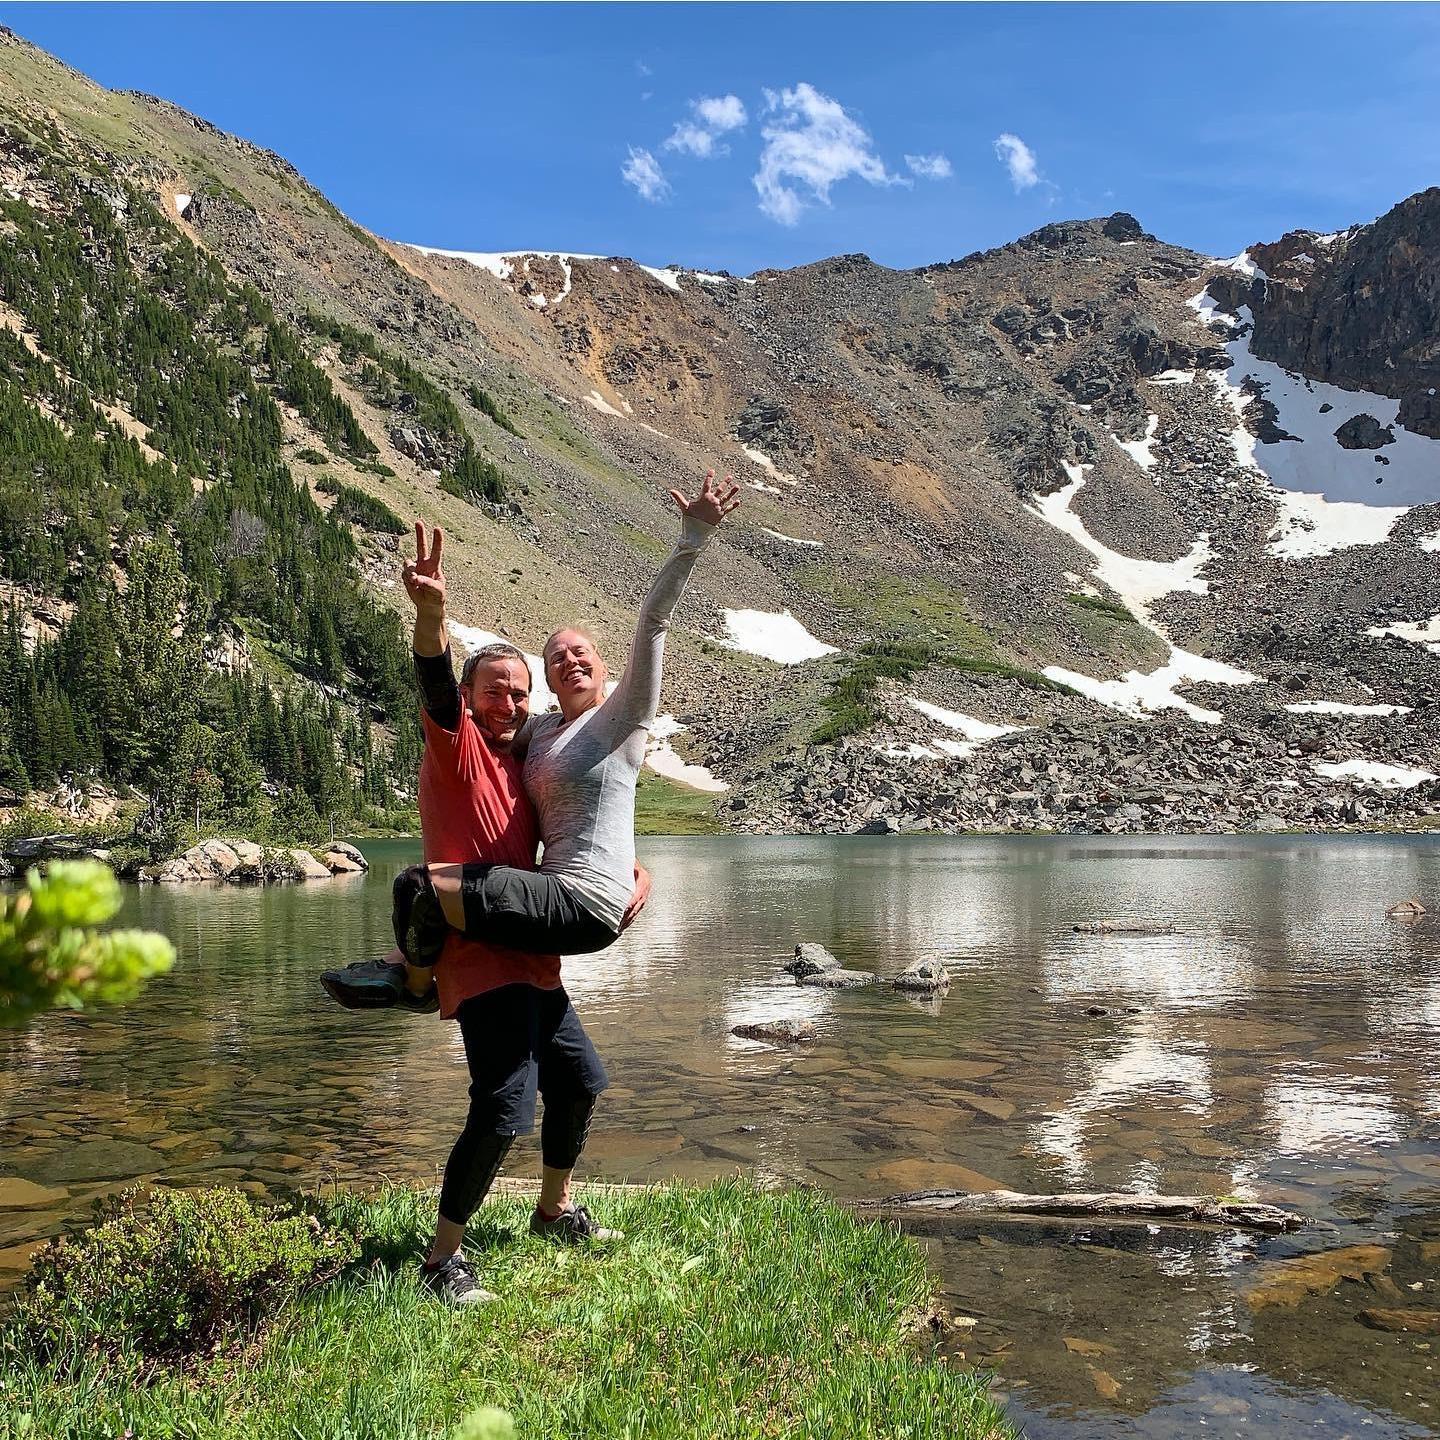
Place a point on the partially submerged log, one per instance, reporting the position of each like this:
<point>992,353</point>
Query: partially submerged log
<point>1124,927</point>
<point>1163,1209</point>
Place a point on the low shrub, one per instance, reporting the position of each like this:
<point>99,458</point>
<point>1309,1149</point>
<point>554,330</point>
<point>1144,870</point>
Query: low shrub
<point>169,1273</point>
<point>1105,606</point>
<point>486,404</point>
<point>312,456</point>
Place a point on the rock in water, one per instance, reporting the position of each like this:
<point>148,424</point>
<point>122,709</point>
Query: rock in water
<point>928,976</point>
<point>838,979</point>
<point>1407,909</point>
<point>811,959</point>
<point>1413,1322</point>
<point>342,858</point>
<point>790,1032</point>
<point>1124,927</point>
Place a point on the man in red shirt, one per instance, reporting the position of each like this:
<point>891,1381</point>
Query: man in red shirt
<point>519,1029</point>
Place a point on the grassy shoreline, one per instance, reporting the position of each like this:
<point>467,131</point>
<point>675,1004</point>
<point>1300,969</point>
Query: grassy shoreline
<point>726,1311</point>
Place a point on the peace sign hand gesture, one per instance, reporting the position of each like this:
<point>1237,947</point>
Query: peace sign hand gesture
<point>714,502</point>
<point>423,577</point>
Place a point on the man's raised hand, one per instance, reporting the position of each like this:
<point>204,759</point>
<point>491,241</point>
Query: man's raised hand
<point>423,577</point>
<point>714,502</point>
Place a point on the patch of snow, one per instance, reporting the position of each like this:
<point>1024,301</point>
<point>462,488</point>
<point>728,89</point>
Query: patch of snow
<point>670,279</point>
<point>907,752</point>
<point>1310,525</point>
<point>1173,377</point>
<point>763,487</point>
<point>1338,707</point>
<point>596,401</point>
<point>662,759</point>
<point>1315,465</point>
<point>1302,259</point>
<point>1141,451</point>
<point>781,637</point>
<point>791,539</point>
<point>1246,266</point>
<point>471,639</point>
<point>976,732</point>
<point>653,430</point>
<point>1375,772</point>
<point>1430,542</point>
<point>968,725</point>
<point>500,263</point>
<point>760,458</point>
<point>1426,633</point>
<point>1135,693</point>
<point>182,203</point>
<point>1139,583</point>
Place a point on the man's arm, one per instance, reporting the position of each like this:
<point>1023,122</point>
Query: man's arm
<point>434,670</point>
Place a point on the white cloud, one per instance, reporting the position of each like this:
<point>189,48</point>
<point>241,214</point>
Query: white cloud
<point>721,112</point>
<point>715,115</point>
<point>1019,159</point>
<point>813,142</point>
<point>930,167</point>
<point>642,170</point>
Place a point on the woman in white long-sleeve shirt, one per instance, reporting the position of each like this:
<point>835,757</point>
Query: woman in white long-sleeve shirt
<point>581,768</point>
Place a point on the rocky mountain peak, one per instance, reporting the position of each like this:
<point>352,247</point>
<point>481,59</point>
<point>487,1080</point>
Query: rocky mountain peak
<point>1359,309</point>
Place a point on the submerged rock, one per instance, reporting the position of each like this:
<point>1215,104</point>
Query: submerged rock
<point>927,976</point>
<point>811,959</point>
<point>1413,1322</point>
<point>838,979</point>
<point>1407,909</point>
<point>790,1032</point>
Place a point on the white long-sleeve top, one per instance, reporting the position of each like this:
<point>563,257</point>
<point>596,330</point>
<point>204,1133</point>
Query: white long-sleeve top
<point>581,774</point>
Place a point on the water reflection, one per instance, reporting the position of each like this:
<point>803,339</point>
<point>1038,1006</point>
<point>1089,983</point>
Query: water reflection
<point>1281,1043</point>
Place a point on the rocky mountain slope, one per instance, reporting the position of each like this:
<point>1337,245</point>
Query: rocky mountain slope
<point>1081,533</point>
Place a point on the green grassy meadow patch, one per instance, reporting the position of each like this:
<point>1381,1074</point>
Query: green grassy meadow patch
<point>726,1311</point>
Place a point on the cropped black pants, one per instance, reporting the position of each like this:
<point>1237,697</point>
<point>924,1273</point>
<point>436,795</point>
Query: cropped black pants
<point>518,1040</point>
<point>520,909</point>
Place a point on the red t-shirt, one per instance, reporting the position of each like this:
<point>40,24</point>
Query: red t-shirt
<point>474,808</point>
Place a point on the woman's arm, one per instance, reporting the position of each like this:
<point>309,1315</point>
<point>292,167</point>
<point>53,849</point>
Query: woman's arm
<point>636,699</point>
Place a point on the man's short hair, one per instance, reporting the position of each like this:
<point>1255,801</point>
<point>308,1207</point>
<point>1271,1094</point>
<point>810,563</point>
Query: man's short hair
<point>500,650</point>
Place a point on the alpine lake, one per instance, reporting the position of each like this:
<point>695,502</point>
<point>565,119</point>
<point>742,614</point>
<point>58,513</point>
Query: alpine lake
<point>1283,1044</point>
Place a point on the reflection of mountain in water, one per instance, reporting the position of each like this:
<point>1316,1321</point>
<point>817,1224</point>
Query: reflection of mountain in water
<point>1283,1042</point>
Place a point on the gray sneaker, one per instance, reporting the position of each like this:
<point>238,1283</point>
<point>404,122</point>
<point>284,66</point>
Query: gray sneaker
<point>454,1282</point>
<point>376,985</point>
<point>575,1226</point>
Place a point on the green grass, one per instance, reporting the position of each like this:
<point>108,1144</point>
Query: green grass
<point>1105,606</point>
<point>645,544</point>
<point>904,608</point>
<point>850,705</point>
<point>726,1312</point>
<point>663,807</point>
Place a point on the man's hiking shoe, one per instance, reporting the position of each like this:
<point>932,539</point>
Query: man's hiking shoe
<point>376,985</point>
<point>574,1227</point>
<point>454,1282</point>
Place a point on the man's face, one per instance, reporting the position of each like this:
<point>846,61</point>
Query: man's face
<point>574,670</point>
<point>499,698</point>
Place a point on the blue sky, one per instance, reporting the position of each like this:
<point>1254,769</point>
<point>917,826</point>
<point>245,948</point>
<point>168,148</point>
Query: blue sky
<point>493,127</point>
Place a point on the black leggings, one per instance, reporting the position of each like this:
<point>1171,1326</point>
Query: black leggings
<point>520,909</point>
<point>520,1039</point>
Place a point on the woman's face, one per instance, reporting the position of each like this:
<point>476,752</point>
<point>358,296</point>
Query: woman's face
<point>574,670</point>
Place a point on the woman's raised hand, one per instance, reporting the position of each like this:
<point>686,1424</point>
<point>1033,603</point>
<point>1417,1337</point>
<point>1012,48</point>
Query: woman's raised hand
<point>715,501</point>
<point>423,577</point>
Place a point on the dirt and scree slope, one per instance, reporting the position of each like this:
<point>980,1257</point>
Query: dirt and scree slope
<point>1031,459</point>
